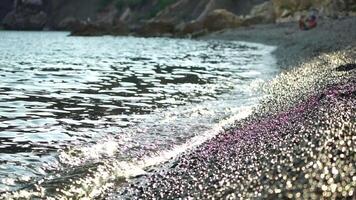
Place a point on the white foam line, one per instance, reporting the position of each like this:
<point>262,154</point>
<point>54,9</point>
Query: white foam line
<point>102,179</point>
<point>136,169</point>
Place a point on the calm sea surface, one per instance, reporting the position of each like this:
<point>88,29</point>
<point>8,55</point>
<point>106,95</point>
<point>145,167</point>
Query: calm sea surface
<point>80,115</point>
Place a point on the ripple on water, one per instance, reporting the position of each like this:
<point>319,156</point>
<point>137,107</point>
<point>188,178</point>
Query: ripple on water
<point>71,96</point>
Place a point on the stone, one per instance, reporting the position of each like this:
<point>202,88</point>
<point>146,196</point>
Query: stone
<point>264,12</point>
<point>155,28</point>
<point>346,67</point>
<point>119,27</point>
<point>88,29</point>
<point>198,33</point>
<point>191,27</point>
<point>25,20</point>
<point>250,20</point>
<point>281,5</point>
<point>286,13</point>
<point>221,19</point>
<point>99,28</point>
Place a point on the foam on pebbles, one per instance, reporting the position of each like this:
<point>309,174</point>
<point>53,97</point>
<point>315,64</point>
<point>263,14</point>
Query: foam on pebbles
<point>299,144</point>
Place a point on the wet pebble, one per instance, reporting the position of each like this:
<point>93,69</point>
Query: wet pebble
<point>299,144</point>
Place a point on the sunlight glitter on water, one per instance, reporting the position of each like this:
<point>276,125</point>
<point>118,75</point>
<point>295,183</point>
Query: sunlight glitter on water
<point>82,102</point>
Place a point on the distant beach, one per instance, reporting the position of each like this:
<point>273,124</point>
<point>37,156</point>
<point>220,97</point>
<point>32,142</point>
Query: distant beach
<point>297,46</point>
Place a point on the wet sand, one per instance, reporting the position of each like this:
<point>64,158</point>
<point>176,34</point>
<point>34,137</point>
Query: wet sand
<point>299,143</point>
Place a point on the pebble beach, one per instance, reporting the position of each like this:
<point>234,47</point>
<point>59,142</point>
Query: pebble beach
<point>299,143</point>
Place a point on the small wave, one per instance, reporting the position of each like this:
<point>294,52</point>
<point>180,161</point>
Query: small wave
<point>110,172</point>
<point>86,117</point>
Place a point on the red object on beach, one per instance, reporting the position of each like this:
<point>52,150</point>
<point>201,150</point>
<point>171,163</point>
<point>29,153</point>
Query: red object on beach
<point>312,24</point>
<point>307,24</point>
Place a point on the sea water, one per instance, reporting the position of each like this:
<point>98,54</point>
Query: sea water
<point>80,115</point>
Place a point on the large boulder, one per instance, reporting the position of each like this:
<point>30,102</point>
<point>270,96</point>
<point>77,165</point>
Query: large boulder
<point>253,20</point>
<point>117,27</point>
<point>282,6</point>
<point>89,29</point>
<point>262,13</point>
<point>190,27</point>
<point>221,19</point>
<point>155,28</point>
<point>216,20</point>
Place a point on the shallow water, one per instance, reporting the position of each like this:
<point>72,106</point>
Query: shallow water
<point>77,108</point>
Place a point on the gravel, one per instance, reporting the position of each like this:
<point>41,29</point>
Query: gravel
<point>299,143</point>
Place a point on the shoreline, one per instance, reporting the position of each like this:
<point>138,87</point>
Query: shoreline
<point>330,35</point>
<point>293,45</point>
<point>315,77</point>
<point>283,149</point>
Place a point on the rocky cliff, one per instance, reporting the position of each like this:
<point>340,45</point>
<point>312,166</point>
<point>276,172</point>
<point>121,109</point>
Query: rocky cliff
<point>292,9</point>
<point>40,14</point>
<point>57,14</point>
<point>5,7</point>
<point>158,17</point>
<point>187,10</point>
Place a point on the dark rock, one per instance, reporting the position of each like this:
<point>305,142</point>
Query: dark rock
<point>199,33</point>
<point>89,29</point>
<point>86,29</point>
<point>221,19</point>
<point>26,20</point>
<point>68,24</point>
<point>216,20</point>
<point>156,28</point>
<point>252,21</point>
<point>346,67</point>
<point>120,28</point>
<point>5,7</point>
<point>27,15</point>
<point>191,27</point>
<point>99,29</point>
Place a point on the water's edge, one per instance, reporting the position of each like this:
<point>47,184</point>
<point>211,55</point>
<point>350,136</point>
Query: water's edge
<point>104,158</point>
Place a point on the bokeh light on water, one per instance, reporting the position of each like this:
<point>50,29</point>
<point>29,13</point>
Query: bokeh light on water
<point>71,102</point>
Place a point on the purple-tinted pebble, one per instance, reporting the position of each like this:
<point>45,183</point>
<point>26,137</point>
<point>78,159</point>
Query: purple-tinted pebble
<point>301,150</point>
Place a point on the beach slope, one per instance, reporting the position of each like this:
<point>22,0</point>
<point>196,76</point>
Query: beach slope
<point>300,141</point>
